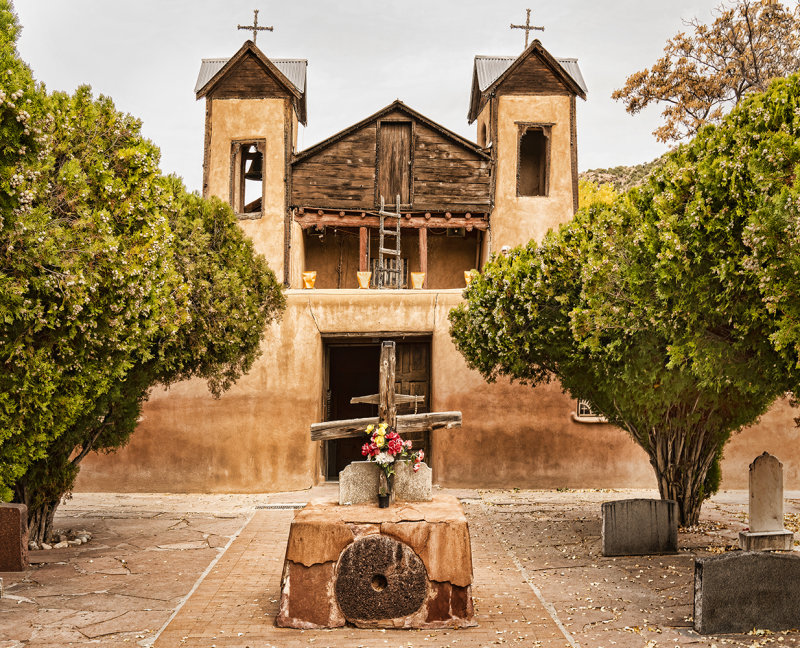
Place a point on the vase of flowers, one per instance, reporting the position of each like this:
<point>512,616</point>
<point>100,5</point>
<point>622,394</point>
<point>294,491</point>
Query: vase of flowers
<point>385,448</point>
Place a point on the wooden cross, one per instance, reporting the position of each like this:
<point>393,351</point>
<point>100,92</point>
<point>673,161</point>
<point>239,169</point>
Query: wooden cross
<point>387,402</point>
<point>254,26</point>
<point>527,27</point>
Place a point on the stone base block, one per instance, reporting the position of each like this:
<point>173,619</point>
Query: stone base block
<point>739,591</point>
<point>638,527</point>
<point>358,483</point>
<point>407,566</point>
<point>766,540</point>
<point>13,537</point>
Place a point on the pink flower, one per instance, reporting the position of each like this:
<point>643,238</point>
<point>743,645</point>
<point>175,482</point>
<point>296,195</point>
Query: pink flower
<point>416,467</point>
<point>420,455</point>
<point>365,451</point>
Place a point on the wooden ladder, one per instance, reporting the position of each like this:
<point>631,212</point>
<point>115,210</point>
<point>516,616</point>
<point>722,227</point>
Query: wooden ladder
<point>384,268</point>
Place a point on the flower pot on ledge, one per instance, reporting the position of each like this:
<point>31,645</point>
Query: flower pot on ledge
<point>363,278</point>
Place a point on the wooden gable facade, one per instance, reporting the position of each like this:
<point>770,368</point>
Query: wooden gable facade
<point>394,152</point>
<point>441,181</point>
<point>534,72</point>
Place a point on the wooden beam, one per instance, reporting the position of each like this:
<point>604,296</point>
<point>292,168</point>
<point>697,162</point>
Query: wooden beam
<point>406,423</point>
<point>375,399</point>
<point>387,409</point>
<point>363,249</point>
<point>308,221</point>
<point>423,254</point>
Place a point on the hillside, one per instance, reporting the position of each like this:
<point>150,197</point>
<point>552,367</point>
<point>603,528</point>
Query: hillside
<point>622,177</point>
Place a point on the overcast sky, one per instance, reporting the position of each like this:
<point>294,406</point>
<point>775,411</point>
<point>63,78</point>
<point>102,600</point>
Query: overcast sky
<point>362,55</point>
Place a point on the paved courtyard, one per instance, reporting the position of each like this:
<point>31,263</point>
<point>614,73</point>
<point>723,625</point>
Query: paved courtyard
<point>204,571</point>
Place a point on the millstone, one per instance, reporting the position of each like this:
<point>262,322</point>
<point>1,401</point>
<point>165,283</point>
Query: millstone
<point>380,578</point>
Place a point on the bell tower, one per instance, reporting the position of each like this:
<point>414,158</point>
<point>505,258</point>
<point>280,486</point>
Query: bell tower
<point>253,107</point>
<point>525,113</point>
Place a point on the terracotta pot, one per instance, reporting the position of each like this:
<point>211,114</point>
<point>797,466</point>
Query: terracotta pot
<point>469,275</point>
<point>383,501</point>
<point>417,280</point>
<point>309,278</point>
<point>363,278</point>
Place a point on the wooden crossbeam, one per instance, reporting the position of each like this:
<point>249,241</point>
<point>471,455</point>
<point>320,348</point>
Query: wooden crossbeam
<point>387,401</point>
<point>374,399</point>
<point>406,423</point>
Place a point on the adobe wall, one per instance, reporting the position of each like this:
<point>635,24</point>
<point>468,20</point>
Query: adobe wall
<point>256,437</point>
<point>241,119</point>
<point>518,219</point>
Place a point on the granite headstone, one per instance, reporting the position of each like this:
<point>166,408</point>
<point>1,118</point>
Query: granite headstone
<point>638,527</point>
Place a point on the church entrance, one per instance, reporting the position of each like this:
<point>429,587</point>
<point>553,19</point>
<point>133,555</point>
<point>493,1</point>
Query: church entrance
<point>352,368</point>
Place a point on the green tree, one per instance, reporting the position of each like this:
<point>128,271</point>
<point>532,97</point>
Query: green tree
<point>674,310</point>
<point>704,73</point>
<point>112,279</point>
<point>86,277</point>
<point>231,296</point>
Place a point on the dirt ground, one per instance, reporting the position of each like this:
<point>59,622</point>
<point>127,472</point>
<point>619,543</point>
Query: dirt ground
<point>149,552</point>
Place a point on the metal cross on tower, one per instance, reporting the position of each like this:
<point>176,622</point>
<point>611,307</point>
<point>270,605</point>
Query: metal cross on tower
<point>255,27</point>
<point>527,27</point>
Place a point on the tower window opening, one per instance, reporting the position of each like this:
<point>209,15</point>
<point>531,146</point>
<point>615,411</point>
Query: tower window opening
<point>247,178</point>
<point>534,154</point>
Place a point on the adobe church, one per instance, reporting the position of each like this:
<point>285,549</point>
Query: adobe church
<point>398,196</point>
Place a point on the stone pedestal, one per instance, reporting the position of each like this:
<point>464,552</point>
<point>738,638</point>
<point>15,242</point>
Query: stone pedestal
<point>13,537</point>
<point>638,527</point>
<point>766,540</point>
<point>358,483</point>
<point>407,566</point>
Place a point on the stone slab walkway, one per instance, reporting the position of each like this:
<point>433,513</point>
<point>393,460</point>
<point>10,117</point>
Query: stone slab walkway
<point>236,603</point>
<point>143,571</point>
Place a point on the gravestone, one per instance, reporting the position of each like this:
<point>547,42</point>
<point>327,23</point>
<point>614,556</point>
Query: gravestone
<point>766,532</point>
<point>739,591</point>
<point>637,527</point>
<point>13,537</point>
<point>359,482</point>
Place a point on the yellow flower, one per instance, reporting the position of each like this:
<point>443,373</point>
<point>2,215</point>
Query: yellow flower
<point>370,428</point>
<point>379,440</point>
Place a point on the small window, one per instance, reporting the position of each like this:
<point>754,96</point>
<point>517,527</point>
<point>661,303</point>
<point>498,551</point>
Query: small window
<point>534,154</point>
<point>482,139</point>
<point>247,178</point>
<point>585,414</point>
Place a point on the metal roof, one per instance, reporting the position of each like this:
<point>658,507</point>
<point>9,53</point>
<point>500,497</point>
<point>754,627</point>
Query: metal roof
<point>292,69</point>
<point>489,68</point>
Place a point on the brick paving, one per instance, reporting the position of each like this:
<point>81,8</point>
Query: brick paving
<point>235,605</point>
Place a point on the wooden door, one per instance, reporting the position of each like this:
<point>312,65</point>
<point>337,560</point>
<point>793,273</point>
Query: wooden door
<point>352,371</point>
<point>394,162</point>
<point>413,376</point>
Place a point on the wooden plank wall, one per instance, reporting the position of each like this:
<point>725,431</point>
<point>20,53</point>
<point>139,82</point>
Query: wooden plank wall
<point>446,175</point>
<point>341,175</point>
<point>533,76</point>
<point>249,79</point>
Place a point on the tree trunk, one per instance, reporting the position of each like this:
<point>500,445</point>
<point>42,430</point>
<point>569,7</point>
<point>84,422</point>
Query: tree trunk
<point>681,459</point>
<point>40,522</point>
<point>40,516</point>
